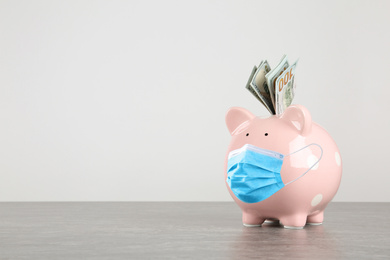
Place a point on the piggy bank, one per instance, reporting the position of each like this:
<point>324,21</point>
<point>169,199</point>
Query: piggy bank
<point>284,168</point>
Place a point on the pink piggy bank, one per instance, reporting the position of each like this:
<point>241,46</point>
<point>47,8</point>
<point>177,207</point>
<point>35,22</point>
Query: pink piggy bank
<point>283,168</point>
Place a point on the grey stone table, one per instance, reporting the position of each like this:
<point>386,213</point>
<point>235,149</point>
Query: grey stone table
<point>185,230</point>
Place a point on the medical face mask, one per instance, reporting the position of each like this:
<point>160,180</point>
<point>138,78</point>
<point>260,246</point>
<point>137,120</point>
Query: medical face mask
<point>253,173</point>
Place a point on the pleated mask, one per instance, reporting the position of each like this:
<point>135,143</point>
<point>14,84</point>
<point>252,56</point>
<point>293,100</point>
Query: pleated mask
<point>253,173</point>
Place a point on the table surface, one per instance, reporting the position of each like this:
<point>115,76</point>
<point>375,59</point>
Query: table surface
<point>185,230</point>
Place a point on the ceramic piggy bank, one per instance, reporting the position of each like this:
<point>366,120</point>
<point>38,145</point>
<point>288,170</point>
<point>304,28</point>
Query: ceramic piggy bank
<point>283,168</point>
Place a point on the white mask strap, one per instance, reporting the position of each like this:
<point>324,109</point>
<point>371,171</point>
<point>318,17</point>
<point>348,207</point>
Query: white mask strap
<point>311,166</point>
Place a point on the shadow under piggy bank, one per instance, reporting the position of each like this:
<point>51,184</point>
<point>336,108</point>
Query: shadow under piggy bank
<point>272,241</point>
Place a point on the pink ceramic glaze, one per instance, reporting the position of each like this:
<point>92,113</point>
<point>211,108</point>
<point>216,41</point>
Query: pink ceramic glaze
<point>303,201</point>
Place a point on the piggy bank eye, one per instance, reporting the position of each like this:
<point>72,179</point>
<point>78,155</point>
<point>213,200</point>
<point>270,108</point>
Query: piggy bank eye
<point>247,134</point>
<point>266,134</point>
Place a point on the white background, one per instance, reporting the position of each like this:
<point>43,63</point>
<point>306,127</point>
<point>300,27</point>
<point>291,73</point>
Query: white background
<point>125,100</point>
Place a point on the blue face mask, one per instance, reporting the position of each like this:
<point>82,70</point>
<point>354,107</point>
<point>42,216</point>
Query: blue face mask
<point>253,173</point>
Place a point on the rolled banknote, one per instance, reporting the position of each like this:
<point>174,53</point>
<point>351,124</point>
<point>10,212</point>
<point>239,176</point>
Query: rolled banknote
<point>272,75</point>
<point>259,84</point>
<point>285,89</point>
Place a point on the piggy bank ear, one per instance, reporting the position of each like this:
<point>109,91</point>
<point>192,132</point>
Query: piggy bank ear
<point>299,117</point>
<point>237,119</point>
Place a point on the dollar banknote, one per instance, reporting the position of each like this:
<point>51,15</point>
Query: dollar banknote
<point>273,74</point>
<point>285,89</point>
<point>250,88</point>
<point>259,85</point>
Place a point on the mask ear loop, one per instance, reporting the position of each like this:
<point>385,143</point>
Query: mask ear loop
<point>311,166</point>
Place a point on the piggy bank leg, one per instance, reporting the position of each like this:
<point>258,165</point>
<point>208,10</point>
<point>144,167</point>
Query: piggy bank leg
<point>251,220</point>
<point>297,221</point>
<point>315,219</point>
<point>272,221</point>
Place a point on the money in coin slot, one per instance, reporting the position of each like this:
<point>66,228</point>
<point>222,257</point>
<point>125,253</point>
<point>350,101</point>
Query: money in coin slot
<point>262,84</point>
